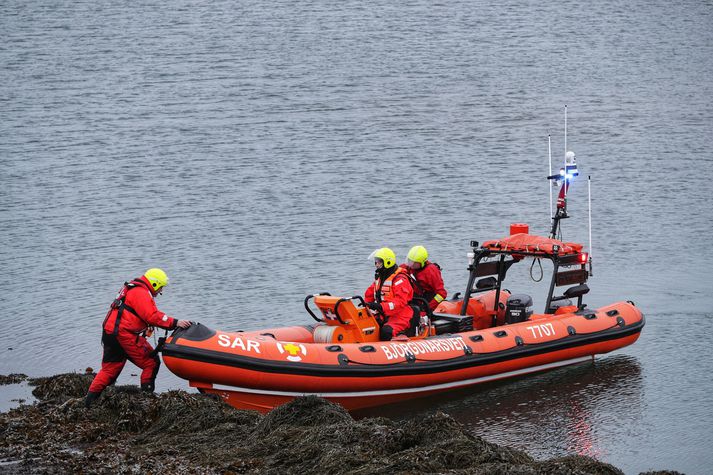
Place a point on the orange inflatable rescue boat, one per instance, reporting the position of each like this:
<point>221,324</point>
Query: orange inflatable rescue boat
<point>488,334</point>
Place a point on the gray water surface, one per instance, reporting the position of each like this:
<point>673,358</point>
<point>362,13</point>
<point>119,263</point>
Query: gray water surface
<point>258,152</point>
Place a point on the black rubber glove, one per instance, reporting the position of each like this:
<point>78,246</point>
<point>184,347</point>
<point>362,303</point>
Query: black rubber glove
<point>376,306</point>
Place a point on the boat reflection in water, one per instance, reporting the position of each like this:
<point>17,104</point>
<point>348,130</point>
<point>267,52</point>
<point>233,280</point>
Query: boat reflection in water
<point>585,409</point>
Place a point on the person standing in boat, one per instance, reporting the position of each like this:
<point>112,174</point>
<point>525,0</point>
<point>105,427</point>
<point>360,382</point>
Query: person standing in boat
<point>425,276</point>
<point>390,294</point>
<point>124,331</point>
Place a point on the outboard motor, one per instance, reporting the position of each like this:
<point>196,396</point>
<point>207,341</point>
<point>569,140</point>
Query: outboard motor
<point>518,309</point>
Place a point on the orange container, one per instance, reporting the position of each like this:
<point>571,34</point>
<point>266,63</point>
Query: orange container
<point>517,228</point>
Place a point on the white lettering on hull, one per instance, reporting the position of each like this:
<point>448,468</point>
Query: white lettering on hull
<point>399,350</point>
<point>542,330</point>
<point>227,341</point>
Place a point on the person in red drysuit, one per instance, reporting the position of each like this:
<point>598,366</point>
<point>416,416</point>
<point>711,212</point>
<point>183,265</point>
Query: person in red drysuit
<point>425,277</point>
<point>390,294</point>
<point>124,332</point>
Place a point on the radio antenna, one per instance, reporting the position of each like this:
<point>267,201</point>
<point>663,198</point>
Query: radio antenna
<point>565,129</point>
<point>565,146</point>
<point>563,179</point>
<point>549,154</point>
<point>589,192</point>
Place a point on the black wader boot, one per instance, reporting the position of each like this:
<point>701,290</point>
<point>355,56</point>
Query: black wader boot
<point>91,397</point>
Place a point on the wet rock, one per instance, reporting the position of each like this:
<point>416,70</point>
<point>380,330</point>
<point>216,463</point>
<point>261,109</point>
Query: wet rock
<point>128,431</point>
<point>13,378</point>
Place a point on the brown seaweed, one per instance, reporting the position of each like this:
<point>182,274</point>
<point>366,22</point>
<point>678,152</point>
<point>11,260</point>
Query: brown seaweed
<point>128,431</point>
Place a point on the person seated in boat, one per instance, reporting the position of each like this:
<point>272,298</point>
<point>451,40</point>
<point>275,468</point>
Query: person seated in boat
<point>132,313</point>
<point>426,277</point>
<point>389,294</point>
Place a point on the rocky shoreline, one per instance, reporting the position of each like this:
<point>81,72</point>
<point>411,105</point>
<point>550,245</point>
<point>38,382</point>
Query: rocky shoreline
<point>176,432</point>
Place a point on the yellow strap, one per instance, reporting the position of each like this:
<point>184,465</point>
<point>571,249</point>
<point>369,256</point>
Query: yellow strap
<point>438,298</point>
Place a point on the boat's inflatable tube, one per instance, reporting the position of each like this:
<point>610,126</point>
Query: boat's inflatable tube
<point>266,368</point>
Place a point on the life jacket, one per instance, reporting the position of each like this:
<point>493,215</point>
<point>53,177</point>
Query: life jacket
<point>119,303</point>
<point>383,291</point>
<point>418,288</point>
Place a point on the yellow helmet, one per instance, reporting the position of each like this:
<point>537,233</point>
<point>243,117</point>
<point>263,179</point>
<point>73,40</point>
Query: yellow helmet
<point>418,254</point>
<point>386,255</point>
<point>157,278</point>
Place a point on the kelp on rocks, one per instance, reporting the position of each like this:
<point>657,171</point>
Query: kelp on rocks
<point>13,378</point>
<point>128,431</point>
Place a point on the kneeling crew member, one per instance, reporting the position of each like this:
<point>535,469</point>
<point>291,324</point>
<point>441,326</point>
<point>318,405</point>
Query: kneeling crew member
<point>124,329</point>
<point>425,277</point>
<point>390,294</point>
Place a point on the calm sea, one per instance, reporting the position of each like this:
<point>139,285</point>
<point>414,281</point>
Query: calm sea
<point>260,151</point>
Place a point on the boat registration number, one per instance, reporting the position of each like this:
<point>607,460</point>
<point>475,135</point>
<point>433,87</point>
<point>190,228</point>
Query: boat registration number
<point>542,330</point>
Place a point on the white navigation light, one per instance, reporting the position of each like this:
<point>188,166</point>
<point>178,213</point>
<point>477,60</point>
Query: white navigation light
<point>570,166</point>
